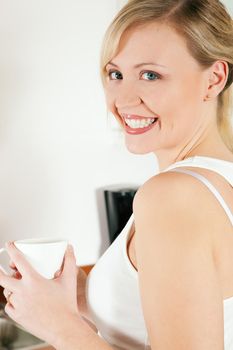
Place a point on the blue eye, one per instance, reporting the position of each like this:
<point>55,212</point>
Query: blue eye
<point>115,75</point>
<point>150,75</point>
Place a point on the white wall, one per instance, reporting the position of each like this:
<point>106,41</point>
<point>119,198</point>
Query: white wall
<point>229,5</point>
<point>56,148</point>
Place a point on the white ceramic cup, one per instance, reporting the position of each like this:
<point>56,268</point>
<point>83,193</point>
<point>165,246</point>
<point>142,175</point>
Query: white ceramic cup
<point>44,254</point>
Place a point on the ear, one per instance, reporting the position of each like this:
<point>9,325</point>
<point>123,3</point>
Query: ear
<point>217,79</point>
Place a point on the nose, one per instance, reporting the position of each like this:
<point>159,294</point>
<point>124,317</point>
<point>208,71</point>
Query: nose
<point>127,96</point>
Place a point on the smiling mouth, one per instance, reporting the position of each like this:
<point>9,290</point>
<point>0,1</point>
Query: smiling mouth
<point>134,124</point>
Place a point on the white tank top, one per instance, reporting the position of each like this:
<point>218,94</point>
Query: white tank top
<point>112,289</point>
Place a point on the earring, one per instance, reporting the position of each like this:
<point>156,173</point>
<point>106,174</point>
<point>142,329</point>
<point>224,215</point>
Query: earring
<point>207,98</point>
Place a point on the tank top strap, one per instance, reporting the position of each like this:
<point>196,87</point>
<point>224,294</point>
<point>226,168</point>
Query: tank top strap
<point>221,167</point>
<point>211,188</point>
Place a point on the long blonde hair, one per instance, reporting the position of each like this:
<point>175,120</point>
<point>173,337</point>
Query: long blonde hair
<point>207,28</point>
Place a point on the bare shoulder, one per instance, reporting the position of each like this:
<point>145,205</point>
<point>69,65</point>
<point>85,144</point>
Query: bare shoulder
<point>179,286</point>
<point>167,182</point>
<point>177,199</point>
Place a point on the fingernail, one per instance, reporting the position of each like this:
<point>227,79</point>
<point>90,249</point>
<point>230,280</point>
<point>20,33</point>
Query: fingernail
<point>70,248</point>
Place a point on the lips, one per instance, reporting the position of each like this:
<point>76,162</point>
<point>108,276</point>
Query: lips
<point>138,124</point>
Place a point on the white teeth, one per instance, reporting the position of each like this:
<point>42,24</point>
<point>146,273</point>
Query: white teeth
<point>139,123</point>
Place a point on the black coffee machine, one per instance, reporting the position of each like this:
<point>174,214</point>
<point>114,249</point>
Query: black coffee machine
<point>118,209</point>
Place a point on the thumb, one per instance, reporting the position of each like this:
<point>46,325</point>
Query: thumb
<point>19,259</point>
<point>69,262</point>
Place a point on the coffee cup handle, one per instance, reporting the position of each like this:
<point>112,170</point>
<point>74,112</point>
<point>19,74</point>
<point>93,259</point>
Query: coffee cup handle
<point>2,250</point>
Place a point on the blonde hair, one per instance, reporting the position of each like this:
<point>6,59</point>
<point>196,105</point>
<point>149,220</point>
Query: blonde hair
<point>207,28</point>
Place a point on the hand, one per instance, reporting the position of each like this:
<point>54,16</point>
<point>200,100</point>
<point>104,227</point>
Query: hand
<point>81,291</point>
<point>14,274</point>
<point>40,305</point>
<point>81,296</point>
<point>81,287</point>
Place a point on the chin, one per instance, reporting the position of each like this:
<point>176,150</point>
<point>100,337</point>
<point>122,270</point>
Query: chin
<point>136,149</point>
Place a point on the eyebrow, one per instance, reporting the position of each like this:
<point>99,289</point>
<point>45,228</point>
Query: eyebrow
<point>140,64</point>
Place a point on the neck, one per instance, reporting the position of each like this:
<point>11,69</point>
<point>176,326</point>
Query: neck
<point>210,144</point>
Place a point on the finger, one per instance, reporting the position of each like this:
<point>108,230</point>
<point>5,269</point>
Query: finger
<point>9,310</point>
<point>8,282</point>
<point>57,273</point>
<point>17,275</point>
<point>62,265</point>
<point>6,292</point>
<point>11,299</point>
<point>19,260</point>
<point>12,265</point>
<point>9,296</point>
<point>70,261</point>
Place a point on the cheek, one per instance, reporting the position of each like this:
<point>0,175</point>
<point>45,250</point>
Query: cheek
<point>110,99</point>
<point>173,100</point>
<point>110,103</point>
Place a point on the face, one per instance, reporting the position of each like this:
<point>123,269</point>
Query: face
<point>155,89</point>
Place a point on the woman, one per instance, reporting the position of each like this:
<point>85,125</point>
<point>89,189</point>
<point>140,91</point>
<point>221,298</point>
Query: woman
<point>166,281</point>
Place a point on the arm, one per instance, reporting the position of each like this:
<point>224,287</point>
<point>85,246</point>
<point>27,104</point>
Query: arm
<point>178,281</point>
<point>81,298</point>
<point>56,318</point>
<point>77,335</point>
<point>81,293</point>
